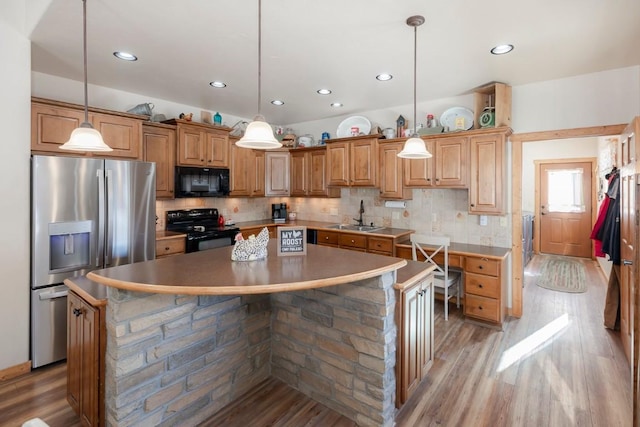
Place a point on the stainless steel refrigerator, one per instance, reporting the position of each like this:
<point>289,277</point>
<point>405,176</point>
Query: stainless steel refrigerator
<point>86,214</point>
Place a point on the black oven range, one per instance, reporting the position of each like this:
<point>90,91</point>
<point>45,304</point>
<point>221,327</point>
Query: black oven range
<point>202,228</point>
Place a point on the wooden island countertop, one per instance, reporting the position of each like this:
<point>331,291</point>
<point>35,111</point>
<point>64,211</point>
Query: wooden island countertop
<point>213,273</point>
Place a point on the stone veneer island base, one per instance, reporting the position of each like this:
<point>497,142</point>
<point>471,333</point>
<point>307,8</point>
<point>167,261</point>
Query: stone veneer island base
<point>322,323</point>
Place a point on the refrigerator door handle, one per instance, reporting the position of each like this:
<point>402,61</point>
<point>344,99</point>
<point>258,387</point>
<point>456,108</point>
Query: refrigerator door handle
<point>109,226</point>
<point>53,295</point>
<point>101,214</point>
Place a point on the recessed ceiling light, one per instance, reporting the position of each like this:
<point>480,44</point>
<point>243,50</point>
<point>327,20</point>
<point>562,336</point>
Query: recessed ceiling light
<point>125,56</point>
<point>323,91</point>
<point>336,104</point>
<point>501,49</point>
<point>217,84</point>
<point>384,77</point>
<point>277,102</point>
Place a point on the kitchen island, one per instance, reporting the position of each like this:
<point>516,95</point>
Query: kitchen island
<point>188,334</point>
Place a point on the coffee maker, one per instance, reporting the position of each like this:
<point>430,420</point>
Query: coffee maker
<point>279,212</point>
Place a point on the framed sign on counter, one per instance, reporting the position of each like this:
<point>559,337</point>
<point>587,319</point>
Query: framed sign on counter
<point>292,240</point>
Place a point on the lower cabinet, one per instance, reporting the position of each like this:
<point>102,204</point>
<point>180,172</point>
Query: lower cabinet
<point>415,352</point>
<point>485,293</point>
<point>173,245</point>
<point>357,242</point>
<point>86,344</point>
<point>246,232</point>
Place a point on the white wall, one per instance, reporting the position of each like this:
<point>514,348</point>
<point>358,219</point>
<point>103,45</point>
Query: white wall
<point>15,108</point>
<point>61,89</point>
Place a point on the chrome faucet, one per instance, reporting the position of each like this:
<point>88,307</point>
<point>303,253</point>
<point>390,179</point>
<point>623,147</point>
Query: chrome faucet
<point>361,211</point>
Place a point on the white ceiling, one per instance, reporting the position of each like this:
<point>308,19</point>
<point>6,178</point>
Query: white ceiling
<point>338,44</point>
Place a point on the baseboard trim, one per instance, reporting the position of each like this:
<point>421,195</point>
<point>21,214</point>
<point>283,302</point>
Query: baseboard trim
<point>15,371</point>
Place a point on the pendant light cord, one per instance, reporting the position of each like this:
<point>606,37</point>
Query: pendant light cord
<point>259,54</point>
<point>84,52</point>
<point>415,77</point>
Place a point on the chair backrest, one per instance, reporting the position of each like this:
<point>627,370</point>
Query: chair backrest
<point>430,246</point>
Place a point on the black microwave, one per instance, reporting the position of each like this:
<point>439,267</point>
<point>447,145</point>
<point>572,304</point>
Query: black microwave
<point>201,182</point>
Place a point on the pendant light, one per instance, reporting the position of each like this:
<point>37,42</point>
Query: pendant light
<point>259,134</point>
<point>85,138</point>
<point>414,147</point>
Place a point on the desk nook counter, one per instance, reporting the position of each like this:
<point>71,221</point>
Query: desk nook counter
<point>189,334</point>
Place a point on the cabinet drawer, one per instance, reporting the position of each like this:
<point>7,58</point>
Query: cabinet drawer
<point>482,266</point>
<point>379,244</point>
<point>328,238</point>
<point>170,247</point>
<point>353,240</point>
<point>480,284</point>
<point>481,308</point>
<point>454,260</point>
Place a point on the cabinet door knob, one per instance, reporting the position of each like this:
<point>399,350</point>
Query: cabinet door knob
<point>472,205</point>
<point>480,285</point>
<point>77,312</point>
<point>167,248</point>
<point>479,307</point>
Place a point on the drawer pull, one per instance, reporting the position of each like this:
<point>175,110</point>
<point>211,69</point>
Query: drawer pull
<point>353,241</point>
<point>167,248</point>
<point>480,267</point>
<point>479,307</point>
<point>326,238</point>
<point>480,285</point>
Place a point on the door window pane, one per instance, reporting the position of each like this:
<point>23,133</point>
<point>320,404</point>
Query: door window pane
<point>565,190</point>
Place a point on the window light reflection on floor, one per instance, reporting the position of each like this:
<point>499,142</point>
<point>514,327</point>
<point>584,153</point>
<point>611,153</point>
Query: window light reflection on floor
<point>533,342</point>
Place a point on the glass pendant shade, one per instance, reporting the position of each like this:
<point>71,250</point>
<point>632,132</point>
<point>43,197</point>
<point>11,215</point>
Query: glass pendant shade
<point>259,136</point>
<point>85,138</point>
<point>414,148</point>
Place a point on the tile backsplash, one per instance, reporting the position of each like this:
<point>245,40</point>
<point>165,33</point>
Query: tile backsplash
<point>431,211</point>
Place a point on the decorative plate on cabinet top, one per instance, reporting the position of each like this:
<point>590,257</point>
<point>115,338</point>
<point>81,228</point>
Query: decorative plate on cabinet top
<point>457,118</point>
<point>362,123</point>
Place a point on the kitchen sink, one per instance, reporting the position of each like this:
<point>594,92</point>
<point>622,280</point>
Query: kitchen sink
<point>353,227</point>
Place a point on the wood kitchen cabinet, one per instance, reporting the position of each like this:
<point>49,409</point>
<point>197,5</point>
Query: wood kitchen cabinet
<point>415,320</point>
<point>447,168</point>
<point>246,232</point>
<point>201,144</point>
<point>86,345</point>
<point>308,173</point>
<point>52,123</point>
<point>357,241</point>
<point>169,244</point>
<point>276,173</point>
<point>487,173</point>
<point>247,171</point>
<point>485,289</point>
<point>159,146</point>
<point>392,171</point>
<point>353,161</point>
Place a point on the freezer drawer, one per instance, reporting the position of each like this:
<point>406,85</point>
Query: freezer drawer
<point>48,325</point>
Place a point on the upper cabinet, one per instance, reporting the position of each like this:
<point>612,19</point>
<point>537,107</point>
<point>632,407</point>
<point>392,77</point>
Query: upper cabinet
<point>308,173</point>
<point>247,171</point>
<point>447,168</point>
<point>277,173</point>
<point>52,123</point>
<point>486,189</point>
<point>201,145</point>
<point>353,161</point>
<point>159,146</point>
<point>391,171</point>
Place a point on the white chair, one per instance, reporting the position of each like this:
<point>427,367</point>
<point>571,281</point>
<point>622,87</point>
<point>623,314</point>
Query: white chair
<point>446,281</point>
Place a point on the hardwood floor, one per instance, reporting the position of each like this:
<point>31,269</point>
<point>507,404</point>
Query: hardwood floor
<point>556,366</point>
